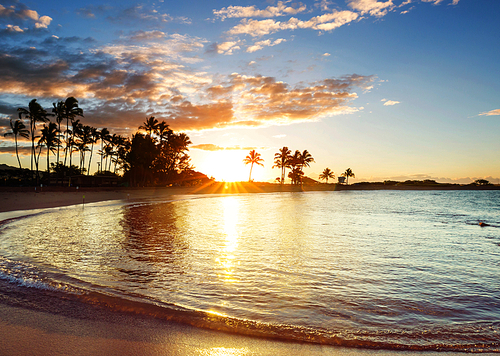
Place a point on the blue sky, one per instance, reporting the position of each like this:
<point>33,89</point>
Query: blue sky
<point>391,89</point>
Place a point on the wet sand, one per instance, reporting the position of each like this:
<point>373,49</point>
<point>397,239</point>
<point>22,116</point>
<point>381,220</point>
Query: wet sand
<point>30,332</point>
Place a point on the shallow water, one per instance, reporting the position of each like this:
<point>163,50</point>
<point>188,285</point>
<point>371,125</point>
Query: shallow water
<point>385,269</point>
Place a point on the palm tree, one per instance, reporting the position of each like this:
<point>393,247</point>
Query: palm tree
<point>162,131</point>
<point>34,114</point>
<point>149,125</point>
<point>71,111</point>
<point>253,157</point>
<point>58,111</point>
<point>327,173</point>
<point>85,138</point>
<point>348,173</point>
<point>104,136</point>
<point>94,137</point>
<point>296,175</point>
<point>50,139</point>
<point>77,128</point>
<point>18,129</point>
<point>282,161</point>
<point>305,159</point>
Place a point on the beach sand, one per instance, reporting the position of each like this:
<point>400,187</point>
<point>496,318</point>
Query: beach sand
<point>26,331</point>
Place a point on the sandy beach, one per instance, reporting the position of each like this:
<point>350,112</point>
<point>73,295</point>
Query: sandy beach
<point>28,331</point>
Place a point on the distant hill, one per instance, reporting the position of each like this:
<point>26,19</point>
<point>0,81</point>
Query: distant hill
<point>5,167</point>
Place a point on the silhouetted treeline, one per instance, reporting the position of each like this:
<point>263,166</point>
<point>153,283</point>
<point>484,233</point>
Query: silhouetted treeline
<point>156,157</point>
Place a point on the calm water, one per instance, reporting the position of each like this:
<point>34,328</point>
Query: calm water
<point>385,269</point>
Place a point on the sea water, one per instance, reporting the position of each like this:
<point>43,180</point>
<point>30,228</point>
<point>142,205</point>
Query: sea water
<point>410,270</point>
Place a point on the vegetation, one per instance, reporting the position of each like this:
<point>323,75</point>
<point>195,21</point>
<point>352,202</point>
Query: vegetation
<point>327,173</point>
<point>156,157</point>
<point>18,129</point>
<point>481,182</point>
<point>296,163</point>
<point>348,173</point>
<point>253,158</point>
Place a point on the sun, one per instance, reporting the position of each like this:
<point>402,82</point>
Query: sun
<point>228,166</point>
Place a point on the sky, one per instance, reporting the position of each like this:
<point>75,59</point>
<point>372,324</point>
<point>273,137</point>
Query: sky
<point>394,90</point>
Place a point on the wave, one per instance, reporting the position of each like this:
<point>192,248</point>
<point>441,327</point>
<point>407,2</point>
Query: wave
<point>44,288</point>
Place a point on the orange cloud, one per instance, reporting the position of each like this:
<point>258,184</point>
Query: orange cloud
<point>491,113</point>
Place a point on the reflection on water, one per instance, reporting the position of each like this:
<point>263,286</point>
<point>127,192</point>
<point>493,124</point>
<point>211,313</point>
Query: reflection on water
<point>410,266</point>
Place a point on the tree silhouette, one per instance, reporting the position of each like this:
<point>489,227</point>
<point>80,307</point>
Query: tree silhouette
<point>103,136</point>
<point>18,129</point>
<point>71,111</point>
<point>327,173</point>
<point>253,158</point>
<point>282,161</point>
<point>34,114</point>
<point>348,173</point>
<point>150,125</point>
<point>50,139</point>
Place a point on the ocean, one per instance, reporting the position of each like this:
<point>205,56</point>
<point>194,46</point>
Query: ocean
<point>402,270</point>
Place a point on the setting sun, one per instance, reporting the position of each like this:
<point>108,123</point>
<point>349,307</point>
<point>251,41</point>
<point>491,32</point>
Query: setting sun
<point>228,166</point>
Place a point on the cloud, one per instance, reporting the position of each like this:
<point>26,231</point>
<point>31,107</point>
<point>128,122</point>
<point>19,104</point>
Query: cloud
<point>491,113</point>
<point>152,73</point>
<point>279,136</point>
<point>326,22</point>
<point>437,2</point>
<point>251,11</point>
<point>226,48</point>
<point>261,44</point>
<point>20,12</point>
<point>372,7</point>
<point>212,147</point>
<point>390,102</point>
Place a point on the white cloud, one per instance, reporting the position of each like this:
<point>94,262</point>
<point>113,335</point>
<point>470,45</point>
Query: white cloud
<point>251,11</point>
<point>326,22</point>
<point>390,102</point>
<point>372,7</point>
<point>261,44</point>
<point>228,47</point>
<point>43,22</point>
<point>11,28</point>
<point>437,2</point>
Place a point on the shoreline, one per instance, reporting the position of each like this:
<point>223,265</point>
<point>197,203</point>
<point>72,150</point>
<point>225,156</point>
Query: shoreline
<point>28,332</point>
<point>29,198</point>
<point>35,332</point>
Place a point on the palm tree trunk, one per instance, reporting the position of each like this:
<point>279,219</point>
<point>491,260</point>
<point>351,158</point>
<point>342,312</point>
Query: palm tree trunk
<point>48,160</point>
<point>17,153</point>
<point>90,158</point>
<point>250,176</point>
<point>59,145</point>
<point>67,141</point>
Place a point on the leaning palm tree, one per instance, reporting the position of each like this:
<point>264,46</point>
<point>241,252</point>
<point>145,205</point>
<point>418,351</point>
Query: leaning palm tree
<point>50,139</point>
<point>18,129</point>
<point>327,173</point>
<point>282,161</point>
<point>253,157</point>
<point>348,173</point>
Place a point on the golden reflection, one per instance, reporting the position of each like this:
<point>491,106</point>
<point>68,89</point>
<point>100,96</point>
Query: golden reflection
<point>230,210</point>
<point>224,351</point>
